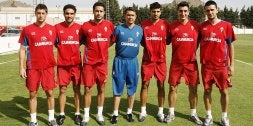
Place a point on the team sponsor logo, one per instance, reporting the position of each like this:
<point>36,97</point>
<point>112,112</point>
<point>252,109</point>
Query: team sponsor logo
<point>105,29</point>
<point>43,42</point>
<point>212,38</point>
<point>154,37</point>
<point>70,42</point>
<point>77,32</point>
<point>70,37</point>
<point>185,38</point>
<point>43,38</point>
<point>61,31</point>
<point>129,43</point>
<point>99,38</point>
<point>50,32</point>
<point>90,30</point>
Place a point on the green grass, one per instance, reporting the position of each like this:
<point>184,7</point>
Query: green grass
<point>14,109</point>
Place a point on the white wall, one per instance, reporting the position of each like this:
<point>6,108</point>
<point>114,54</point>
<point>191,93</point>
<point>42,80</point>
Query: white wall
<point>9,44</point>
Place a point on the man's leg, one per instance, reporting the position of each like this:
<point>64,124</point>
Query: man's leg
<point>87,102</point>
<point>193,100</point>
<point>50,102</point>
<point>115,115</point>
<point>143,96</point>
<point>224,99</point>
<point>33,105</point>
<point>207,102</point>
<point>62,101</point>
<point>100,102</point>
<point>77,97</point>
<point>172,97</point>
<point>130,105</point>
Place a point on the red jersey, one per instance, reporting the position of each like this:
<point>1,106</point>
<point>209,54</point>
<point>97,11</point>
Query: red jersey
<point>68,44</point>
<point>154,40</point>
<point>184,41</point>
<point>97,39</point>
<point>214,43</point>
<point>39,42</point>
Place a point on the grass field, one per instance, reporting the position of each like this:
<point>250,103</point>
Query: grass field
<point>14,96</point>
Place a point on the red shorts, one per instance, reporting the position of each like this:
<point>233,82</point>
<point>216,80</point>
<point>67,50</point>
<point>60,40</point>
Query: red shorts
<point>43,76</point>
<point>96,73</point>
<point>148,69</point>
<point>65,74</point>
<point>217,75</point>
<point>188,71</point>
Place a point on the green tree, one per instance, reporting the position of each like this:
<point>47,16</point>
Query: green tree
<point>197,13</point>
<point>114,11</point>
<point>247,17</point>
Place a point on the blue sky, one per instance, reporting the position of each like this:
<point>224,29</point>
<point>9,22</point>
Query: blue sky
<point>88,3</point>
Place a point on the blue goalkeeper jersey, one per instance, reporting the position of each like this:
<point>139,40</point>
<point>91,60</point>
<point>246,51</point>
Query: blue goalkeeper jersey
<point>127,40</point>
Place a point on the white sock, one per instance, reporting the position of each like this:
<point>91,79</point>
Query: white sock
<point>116,112</point>
<point>224,115</point>
<point>77,113</point>
<point>86,112</point>
<point>160,110</point>
<point>209,114</point>
<point>50,115</point>
<point>62,113</point>
<point>100,110</point>
<point>33,117</point>
<point>86,117</point>
<point>129,111</point>
<point>171,111</point>
<point>143,110</point>
<point>193,112</point>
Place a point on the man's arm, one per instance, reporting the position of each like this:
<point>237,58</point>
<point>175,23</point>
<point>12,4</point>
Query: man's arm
<point>231,58</point>
<point>22,70</point>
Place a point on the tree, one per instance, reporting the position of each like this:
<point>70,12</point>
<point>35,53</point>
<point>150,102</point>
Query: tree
<point>197,13</point>
<point>114,11</point>
<point>247,17</point>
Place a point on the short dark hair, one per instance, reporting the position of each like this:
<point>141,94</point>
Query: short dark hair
<point>129,9</point>
<point>210,2</point>
<point>69,6</point>
<point>41,7</point>
<point>98,4</point>
<point>183,4</point>
<point>155,5</point>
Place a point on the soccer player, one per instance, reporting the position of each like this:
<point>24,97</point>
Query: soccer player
<point>183,34</point>
<point>217,59</point>
<point>97,35</point>
<point>37,41</point>
<point>154,58</point>
<point>128,37</point>
<point>69,61</point>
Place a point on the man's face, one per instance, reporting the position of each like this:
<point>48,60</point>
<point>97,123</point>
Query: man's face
<point>211,12</point>
<point>99,13</point>
<point>155,14</point>
<point>183,13</point>
<point>130,17</point>
<point>41,15</point>
<point>69,15</point>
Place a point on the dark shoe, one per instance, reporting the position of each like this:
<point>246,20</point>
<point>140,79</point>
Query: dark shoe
<point>78,119</point>
<point>195,118</point>
<point>114,119</point>
<point>52,123</point>
<point>142,117</point>
<point>60,119</point>
<point>83,123</point>
<point>32,124</point>
<point>100,120</point>
<point>130,118</point>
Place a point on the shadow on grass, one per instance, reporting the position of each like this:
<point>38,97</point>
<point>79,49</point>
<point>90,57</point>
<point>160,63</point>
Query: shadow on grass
<point>18,109</point>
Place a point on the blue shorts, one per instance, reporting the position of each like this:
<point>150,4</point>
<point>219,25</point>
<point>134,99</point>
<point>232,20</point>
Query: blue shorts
<point>125,71</point>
